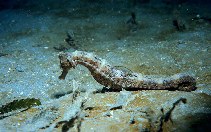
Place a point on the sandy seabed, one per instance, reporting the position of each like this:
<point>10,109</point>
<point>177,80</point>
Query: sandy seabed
<point>31,39</point>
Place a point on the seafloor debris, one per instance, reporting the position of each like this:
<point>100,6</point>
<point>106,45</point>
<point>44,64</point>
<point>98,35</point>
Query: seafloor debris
<point>167,116</point>
<point>73,116</point>
<point>122,100</point>
<point>113,78</point>
<point>43,118</point>
<point>61,48</point>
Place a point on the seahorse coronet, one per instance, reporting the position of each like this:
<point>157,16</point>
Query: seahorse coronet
<point>114,78</point>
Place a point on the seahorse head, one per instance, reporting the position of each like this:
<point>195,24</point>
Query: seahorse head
<point>65,65</point>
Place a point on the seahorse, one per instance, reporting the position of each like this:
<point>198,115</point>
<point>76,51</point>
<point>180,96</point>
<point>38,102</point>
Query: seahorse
<point>114,78</point>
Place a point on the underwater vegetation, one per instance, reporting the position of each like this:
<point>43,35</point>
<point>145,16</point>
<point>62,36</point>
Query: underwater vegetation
<point>132,20</point>
<point>19,104</point>
<point>127,28</point>
<point>180,26</point>
<point>132,23</point>
<point>178,22</point>
<point>70,41</point>
<point>3,54</point>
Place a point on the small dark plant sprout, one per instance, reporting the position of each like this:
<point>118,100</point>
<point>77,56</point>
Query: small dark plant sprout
<point>132,20</point>
<point>70,39</point>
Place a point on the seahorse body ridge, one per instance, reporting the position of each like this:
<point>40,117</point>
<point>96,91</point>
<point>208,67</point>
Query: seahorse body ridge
<point>115,78</point>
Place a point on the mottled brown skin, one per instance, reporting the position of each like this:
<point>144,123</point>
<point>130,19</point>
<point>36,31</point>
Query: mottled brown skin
<point>65,65</point>
<point>106,75</point>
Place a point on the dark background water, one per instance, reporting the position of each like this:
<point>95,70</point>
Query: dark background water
<point>18,4</point>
